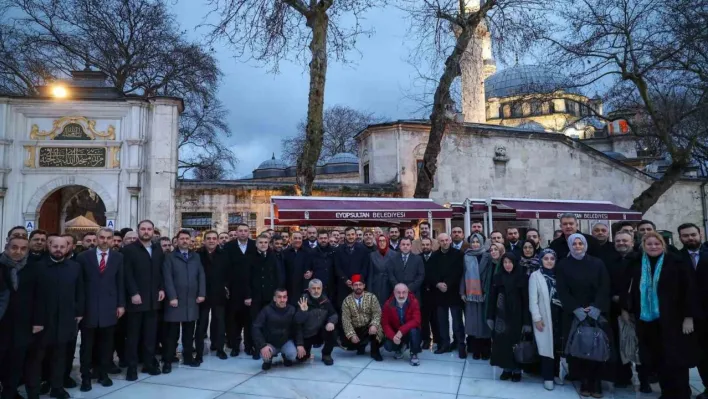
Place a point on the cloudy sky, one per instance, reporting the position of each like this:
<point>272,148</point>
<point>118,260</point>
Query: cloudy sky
<point>264,107</point>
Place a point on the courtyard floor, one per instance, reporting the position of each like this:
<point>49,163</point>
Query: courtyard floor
<point>438,377</point>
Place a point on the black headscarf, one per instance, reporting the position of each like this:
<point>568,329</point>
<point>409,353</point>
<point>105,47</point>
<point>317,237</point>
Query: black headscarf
<point>510,282</point>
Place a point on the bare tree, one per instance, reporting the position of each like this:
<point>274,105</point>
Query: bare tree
<point>341,124</point>
<point>653,56</point>
<point>447,29</point>
<point>272,30</point>
<point>137,43</point>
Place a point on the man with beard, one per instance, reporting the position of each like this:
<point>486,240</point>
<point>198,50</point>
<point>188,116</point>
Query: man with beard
<point>239,252</point>
<point>425,232</point>
<point>691,253</point>
<point>569,226</point>
<point>394,235</point>
<point>400,321</point>
<point>361,320</point>
<point>350,259</point>
<point>458,239</point>
<point>265,278</point>
<point>369,242</point>
<point>333,240</point>
<point>117,242</point>
<point>298,270</point>
<point>359,235</point>
<point>69,382</point>
<point>166,245</point>
<point>71,246</point>
<point>37,245</point>
<point>534,238</point>
<point>89,241</point>
<point>410,233</point>
<point>215,262</point>
<point>311,237</point>
<point>102,271</point>
<point>277,329</point>
<point>318,321</point>
<point>144,284</point>
<point>23,316</point>
<point>322,260</point>
<point>61,288</point>
<point>223,239</point>
<point>429,319</point>
<point>513,244</point>
<point>477,227</point>
<point>497,238</point>
<point>447,272</point>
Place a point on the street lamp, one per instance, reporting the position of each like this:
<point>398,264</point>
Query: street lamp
<point>59,91</point>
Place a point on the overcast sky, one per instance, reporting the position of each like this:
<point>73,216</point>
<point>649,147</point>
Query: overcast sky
<point>264,107</point>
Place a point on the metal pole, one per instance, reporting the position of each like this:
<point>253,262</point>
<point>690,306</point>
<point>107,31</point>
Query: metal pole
<point>491,219</point>
<point>448,225</point>
<point>485,221</point>
<point>468,226</point>
<point>272,215</point>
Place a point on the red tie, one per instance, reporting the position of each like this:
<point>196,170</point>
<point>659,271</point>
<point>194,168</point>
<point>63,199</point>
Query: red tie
<point>102,265</point>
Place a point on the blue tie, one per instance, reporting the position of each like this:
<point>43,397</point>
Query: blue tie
<point>185,255</point>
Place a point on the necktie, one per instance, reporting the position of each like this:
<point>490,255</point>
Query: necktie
<point>102,265</point>
<point>695,259</point>
<point>405,260</point>
<point>185,255</point>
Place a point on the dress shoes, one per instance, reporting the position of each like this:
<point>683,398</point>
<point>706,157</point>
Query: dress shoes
<point>327,360</point>
<point>85,385</point>
<point>266,366</point>
<point>70,383</point>
<point>167,368</point>
<point>152,370</point>
<point>113,369</point>
<point>59,394</point>
<point>222,355</point>
<point>105,381</point>
<point>234,352</point>
<point>44,388</point>
<point>131,374</point>
<point>441,349</point>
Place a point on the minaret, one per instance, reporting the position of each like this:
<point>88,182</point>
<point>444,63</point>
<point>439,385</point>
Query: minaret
<point>476,65</point>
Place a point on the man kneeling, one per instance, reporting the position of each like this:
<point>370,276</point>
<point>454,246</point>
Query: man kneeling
<point>361,320</point>
<point>276,330</point>
<point>401,323</point>
<point>319,318</point>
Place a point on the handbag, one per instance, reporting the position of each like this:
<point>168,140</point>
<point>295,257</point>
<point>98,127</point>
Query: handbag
<point>525,351</point>
<point>588,341</point>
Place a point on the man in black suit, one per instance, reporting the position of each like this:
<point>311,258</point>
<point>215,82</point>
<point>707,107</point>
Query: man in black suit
<point>690,236</point>
<point>265,278</point>
<point>297,267</point>
<point>215,262</point>
<point>428,314</point>
<point>144,285</point>
<point>513,244</point>
<point>238,318</point>
<point>323,264</point>
<point>407,268</point>
<point>105,303</point>
<point>350,259</point>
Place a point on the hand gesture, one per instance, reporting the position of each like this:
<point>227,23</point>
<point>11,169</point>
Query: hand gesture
<point>174,303</point>
<point>301,352</point>
<point>36,329</point>
<point>161,296</point>
<point>539,325</point>
<point>397,338</point>
<point>464,298</point>
<point>349,283</point>
<point>373,330</point>
<point>78,319</point>
<point>308,275</point>
<point>442,287</point>
<point>136,300</point>
<point>200,299</point>
<point>248,301</point>
<point>303,304</point>
<point>120,312</point>
<point>228,294</point>
<point>329,327</point>
<point>266,353</point>
<point>687,325</point>
<point>355,339</point>
<point>625,316</point>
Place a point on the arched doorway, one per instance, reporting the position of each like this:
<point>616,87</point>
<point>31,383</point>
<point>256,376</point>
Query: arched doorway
<point>68,203</point>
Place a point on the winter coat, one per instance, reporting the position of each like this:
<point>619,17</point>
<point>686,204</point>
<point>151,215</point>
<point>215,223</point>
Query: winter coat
<point>239,271</point>
<point>446,268</point>
<point>378,282</point>
<point>265,277</point>
<point>297,263</point>
<point>143,275</point>
<point>184,281</point>
<point>323,268</point>
<point>417,246</point>
<point>104,292</point>
<point>701,272</point>
<point>275,326</point>
<point>366,315</point>
<point>411,274</point>
<point>319,312</point>
<point>540,307</point>
<point>24,309</point>
<point>348,263</point>
<point>391,323</point>
<point>216,272</point>
<point>61,290</point>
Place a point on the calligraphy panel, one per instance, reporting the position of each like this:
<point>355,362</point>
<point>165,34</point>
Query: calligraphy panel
<point>64,157</point>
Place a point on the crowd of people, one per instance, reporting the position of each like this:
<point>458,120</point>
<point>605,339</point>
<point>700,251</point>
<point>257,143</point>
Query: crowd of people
<point>585,308</point>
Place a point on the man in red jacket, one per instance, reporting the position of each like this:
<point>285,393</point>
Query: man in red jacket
<point>400,320</point>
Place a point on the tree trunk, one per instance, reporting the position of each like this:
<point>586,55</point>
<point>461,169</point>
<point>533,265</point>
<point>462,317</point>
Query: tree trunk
<point>438,119</point>
<point>651,195</point>
<point>307,161</point>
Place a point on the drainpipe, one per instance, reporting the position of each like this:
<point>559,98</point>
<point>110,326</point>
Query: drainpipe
<point>703,207</point>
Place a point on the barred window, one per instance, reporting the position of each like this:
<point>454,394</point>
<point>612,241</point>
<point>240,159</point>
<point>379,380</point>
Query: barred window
<point>199,221</point>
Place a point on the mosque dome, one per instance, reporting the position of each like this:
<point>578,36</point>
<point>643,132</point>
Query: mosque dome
<point>341,163</point>
<point>342,158</point>
<point>525,79</point>
<point>272,164</point>
<point>532,125</point>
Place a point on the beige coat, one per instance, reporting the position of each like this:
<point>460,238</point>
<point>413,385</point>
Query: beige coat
<point>416,246</point>
<point>540,307</point>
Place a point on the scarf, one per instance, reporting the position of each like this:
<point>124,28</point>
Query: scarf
<point>384,251</point>
<point>571,239</point>
<point>15,268</point>
<point>550,276</point>
<point>648,289</point>
<point>529,265</point>
<point>473,281</point>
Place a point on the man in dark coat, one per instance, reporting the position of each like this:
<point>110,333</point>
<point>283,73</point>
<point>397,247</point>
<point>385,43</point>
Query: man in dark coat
<point>447,270</point>
<point>102,270</point>
<point>692,254</point>
<point>265,278</point>
<point>239,252</point>
<point>38,245</point>
<point>569,225</point>
<point>62,294</point>
<point>215,263</point>
<point>144,284</point>
<point>318,321</point>
<point>322,258</point>
<point>350,259</point>
<point>429,318</point>
<point>297,268</point>
<point>277,329</point>
<point>23,316</point>
<point>185,290</point>
<point>407,268</point>
<point>513,244</point>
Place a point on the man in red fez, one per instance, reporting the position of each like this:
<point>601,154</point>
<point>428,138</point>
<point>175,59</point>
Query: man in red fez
<point>361,320</point>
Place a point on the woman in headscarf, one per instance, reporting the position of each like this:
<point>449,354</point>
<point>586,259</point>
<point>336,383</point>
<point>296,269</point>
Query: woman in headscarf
<point>546,314</point>
<point>508,316</point>
<point>474,288</point>
<point>663,298</point>
<point>529,262</point>
<point>377,282</point>
<point>584,290</point>
<point>496,251</point>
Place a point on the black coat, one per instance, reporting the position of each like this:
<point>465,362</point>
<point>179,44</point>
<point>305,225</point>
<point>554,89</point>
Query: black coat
<point>104,292</point>
<point>275,326</point>
<point>61,287</point>
<point>239,270</point>
<point>216,268</point>
<point>265,277</point>
<point>518,248</point>
<point>319,312</point>
<point>143,275</point>
<point>348,263</point>
<point>323,268</point>
<point>617,271</point>
<point>560,245</point>
<point>24,310</point>
<point>446,267</point>
<point>296,263</point>
<point>701,272</point>
<point>677,300</point>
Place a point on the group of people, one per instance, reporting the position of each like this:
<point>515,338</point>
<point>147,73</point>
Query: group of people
<point>134,294</point>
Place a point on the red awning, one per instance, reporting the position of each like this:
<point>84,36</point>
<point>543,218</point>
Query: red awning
<point>343,210</point>
<point>552,209</point>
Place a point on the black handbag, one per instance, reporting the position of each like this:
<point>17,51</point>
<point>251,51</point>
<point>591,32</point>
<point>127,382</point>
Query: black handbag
<point>525,352</point>
<point>588,341</point>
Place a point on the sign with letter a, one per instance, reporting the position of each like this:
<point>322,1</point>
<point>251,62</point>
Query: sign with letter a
<point>29,225</point>
<point>111,224</point>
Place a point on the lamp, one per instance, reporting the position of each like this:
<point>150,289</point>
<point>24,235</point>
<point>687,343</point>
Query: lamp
<point>59,91</point>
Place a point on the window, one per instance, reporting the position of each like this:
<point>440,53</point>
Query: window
<point>235,219</point>
<point>507,111</point>
<point>252,221</point>
<point>199,221</point>
<point>571,107</point>
<point>551,107</point>
<point>367,179</point>
<point>536,107</point>
<point>501,111</point>
<point>418,167</point>
<point>517,110</point>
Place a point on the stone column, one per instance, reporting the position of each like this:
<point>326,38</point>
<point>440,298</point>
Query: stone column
<point>134,193</point>
<point>3,190</point>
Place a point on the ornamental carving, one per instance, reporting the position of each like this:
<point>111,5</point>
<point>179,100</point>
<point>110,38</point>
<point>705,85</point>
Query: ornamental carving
<point>73,128</point>
<point>65,157</point>
<point>500,154</point>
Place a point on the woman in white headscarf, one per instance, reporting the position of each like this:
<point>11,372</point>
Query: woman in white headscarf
<point>584,290</point>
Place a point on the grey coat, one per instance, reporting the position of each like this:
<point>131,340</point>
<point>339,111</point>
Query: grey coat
<point>411,275</point>
<point>184,281</point>
<point>378,282</point>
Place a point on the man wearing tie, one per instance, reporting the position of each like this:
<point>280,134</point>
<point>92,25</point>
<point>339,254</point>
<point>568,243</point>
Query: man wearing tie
<point>690,236</point>
<point>407,268</point>
<point>104,289</point>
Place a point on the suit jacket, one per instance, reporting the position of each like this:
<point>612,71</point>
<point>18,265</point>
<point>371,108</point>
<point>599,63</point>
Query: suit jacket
<point>347,264</point>
<point>143,275</point>
<point>216,274</point>
<point>411,274</point>
<point>61,293</point>
<point>239,270</point>
<point>185,282</point>
<point>462,248</point>
<point>417,246</point>
<point>518,248</point>
<point>104,292</point>
<point>24,308</point>
<point>701,274</point>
